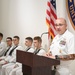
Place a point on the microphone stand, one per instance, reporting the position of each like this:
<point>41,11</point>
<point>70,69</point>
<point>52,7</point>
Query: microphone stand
<point>44,33</point>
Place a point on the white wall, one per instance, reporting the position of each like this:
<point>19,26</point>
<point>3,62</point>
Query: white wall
<point>23,18</point>
<point>0,15</point>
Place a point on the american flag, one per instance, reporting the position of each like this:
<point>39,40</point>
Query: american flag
<point>51,17</point>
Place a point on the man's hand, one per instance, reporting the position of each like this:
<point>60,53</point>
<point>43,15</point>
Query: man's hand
<point>16,66</point>
<point>53,57</point>
<point>5,62</point>
<point>0,59</point>
<point>48,54</point>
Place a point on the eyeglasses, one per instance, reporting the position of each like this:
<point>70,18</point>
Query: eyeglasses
<point>8,40</point>
<point>59,24</point>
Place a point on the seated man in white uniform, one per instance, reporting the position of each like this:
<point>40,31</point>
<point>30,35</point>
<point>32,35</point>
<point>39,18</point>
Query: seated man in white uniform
<point>8,49</point>
<point>18,66</point>
<point>62,48</point>
<point>37,41</point>
<point>11,59</point>
<point>2,45</point>
<point>28,44</point>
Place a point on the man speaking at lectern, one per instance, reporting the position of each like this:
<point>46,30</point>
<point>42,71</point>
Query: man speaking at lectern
<point>62,48</point>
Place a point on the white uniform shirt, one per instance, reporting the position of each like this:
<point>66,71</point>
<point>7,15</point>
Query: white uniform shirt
<point>12,58</point>
<point>41,52</point>
<point>7,54</point>
<point>31,50</point>
<point>2,48</point>
<point>63,45</point>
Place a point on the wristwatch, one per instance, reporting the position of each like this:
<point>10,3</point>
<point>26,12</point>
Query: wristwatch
<point>57,57</point>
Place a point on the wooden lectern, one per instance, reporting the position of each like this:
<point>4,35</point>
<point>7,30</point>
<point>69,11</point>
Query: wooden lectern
<point>35,65</point>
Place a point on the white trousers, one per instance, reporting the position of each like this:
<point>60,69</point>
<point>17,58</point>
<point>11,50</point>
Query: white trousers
<point>19,71</point>
<point>4,68</point>
<point>0,70</point>
<point>9,69</point>
<point>13,72</point>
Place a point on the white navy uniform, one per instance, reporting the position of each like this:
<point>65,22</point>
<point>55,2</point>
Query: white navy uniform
<point>31,50</point>
<point>6,54</point>
<point>41,52</point>
<point>12,69</point>
<point>11,59</point>
<point>63,45</point>
<point>2,48</point>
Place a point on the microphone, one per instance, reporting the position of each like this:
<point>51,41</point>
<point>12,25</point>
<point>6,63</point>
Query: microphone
<point>44,33</point>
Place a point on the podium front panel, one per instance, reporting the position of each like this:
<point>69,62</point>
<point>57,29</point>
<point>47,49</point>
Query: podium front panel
<point>34,64</point>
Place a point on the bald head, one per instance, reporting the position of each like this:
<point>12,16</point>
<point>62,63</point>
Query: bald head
<point>62,20</point>
<point>60,25</point>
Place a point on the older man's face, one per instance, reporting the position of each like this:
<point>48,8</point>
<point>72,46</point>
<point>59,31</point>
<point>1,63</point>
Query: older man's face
<point>60,26</point>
